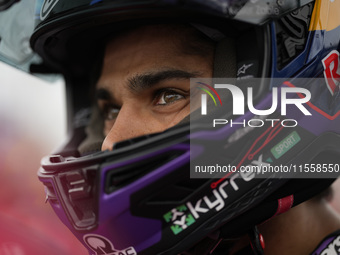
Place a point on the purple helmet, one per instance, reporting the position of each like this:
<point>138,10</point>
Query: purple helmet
<point>143,197</point>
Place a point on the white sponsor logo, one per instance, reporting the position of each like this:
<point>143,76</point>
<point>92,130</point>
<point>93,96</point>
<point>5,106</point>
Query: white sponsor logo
<point>102,246</point>
<point>333,248</point>
<point>243,69</point>
<point>219,195</point>
<point>185,215</point>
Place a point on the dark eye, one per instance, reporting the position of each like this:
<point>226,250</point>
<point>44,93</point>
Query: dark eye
<point>110,113</point>
<point>168,97</point>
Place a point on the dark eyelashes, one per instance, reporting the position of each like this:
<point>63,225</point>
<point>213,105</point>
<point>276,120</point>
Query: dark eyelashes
<point>106,109</point>
<point>109,110</point>
<point>159,92</point>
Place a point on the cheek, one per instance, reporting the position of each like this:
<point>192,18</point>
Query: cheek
<point>178,117</point>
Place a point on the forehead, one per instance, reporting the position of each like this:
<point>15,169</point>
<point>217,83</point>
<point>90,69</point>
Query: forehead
<point>153,39</point>
<point>147,49</point>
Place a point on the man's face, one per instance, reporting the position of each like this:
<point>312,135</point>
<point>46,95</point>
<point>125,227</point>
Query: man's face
<point>144,86</point>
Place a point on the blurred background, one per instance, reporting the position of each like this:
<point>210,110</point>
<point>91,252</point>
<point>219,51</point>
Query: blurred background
<point>32,124</point>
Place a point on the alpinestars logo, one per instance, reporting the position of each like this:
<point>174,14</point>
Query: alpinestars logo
<point>243,69</point>
<point>102,246</point>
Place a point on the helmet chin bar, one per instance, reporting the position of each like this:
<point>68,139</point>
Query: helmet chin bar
<point>73,194</point>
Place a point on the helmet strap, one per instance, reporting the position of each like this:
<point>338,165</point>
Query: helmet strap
<point>256,241</point>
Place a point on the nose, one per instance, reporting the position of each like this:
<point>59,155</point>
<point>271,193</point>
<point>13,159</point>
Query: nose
<point>130,123</point>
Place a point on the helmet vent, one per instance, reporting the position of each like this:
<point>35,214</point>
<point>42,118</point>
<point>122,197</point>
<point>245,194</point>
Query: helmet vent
<point>120,177</point>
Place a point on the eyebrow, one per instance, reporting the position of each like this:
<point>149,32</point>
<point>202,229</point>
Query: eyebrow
<point>102,94</point>
<point>143,81</point>
<point>139,82</point>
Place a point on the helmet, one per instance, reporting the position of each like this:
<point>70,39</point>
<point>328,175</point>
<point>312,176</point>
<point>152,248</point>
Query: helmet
<point>141,198</point>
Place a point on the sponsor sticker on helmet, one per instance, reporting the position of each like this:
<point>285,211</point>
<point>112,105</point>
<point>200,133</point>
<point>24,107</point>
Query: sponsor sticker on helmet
<point>285,145</point>
<point>184,216</point>
<point>332,246</point>
<point>179,218</point>
<point>243,69</point>
<point>101,246</point>
<point>332,72</point>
